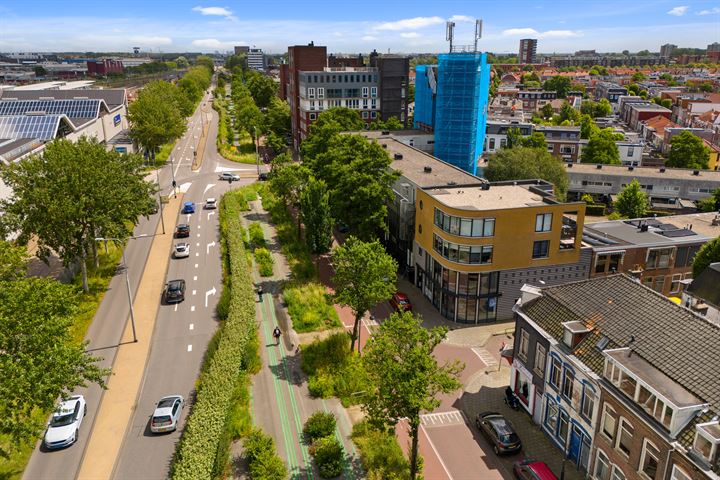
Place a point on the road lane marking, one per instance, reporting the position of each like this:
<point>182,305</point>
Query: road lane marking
<point>197,254</point>
<point>208,187</point>
<point>455,417</point>
<point>194,292</point>
<point>197,244</point>
<point>192,309</point>
<point>211,244</point>
<point>192,325</point>
<point>195,278</point>
<point>198,234</point>
<point>486,357</point>
<point>199,227</point>
<point>212,291</point>
<point>209,214</point>
<point>189,348</point>
<point>196,265</point>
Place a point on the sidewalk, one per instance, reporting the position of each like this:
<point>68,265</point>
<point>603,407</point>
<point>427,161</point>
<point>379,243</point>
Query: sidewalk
<point>119,401</point>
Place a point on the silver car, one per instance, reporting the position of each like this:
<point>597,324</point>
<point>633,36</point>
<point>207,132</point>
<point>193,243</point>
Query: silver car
<point>210,204</point>
<point>229,176</point>
<point>181,250</point>
<point>166,416</point>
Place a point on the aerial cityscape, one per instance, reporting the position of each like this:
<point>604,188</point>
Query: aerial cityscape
<point>384,241</point>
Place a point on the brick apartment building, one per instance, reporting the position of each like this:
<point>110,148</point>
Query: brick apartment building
<point>100,68</point>
<point>300,58</point>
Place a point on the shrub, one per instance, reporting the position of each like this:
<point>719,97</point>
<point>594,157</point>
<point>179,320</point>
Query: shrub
<point>262,458</point>
<point>257,237</point>
<point>264,259</point>
<point>239,421</point>
<point>380,453</point>
<point>615,216</point>
<point>334,350</point>
<point>328,455</point>
<point>587,198</point>
<point>595,210</point>
<point>310,308</point>
<point>320,424</point>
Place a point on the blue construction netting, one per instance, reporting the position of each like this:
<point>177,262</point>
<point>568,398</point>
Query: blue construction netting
<point>425,88</point>
<point>463,81</point>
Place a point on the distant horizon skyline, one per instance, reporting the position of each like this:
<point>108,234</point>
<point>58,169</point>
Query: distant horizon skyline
<point>561,26</point>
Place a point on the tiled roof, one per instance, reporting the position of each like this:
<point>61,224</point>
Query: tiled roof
<point>660,123</point>
<point>673,339</point>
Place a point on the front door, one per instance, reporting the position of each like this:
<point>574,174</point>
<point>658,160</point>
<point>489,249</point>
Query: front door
<point>575,444</point>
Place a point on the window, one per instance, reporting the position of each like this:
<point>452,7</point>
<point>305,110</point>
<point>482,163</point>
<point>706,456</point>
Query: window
<point>649,462</point>
<point>659,258</point>
<point>679,474</point>
<point>602,466</point>
<point>313,116</point>
<point>524,344</point>
<point>373,92</point>
<point>311,93</point>
<point>472,254</point>
<point>624,437</point>
<point>555,372</point>
<point>551,415</point>
<point>588,404</point>
<point>540,354</point>
<point>321,93</point>
<point>465,227</point>
<point>365,92</point>
<point>373,114</point>
<point>703,446</point>
<point>630,151</point>
<point>364,114</point>
<point>617,474</point>
<point>541,249</point>
<point>608,422</point>
<point>675,283</point>
<point>608,262</point>
<point>491,145</point>
<point>563,422</point>
<point>503,142</point>
<point>543,222</point>
<point>568,384</point>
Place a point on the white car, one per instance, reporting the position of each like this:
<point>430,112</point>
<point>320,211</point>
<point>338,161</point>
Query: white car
<point>65,423</point>
<point>229,176</point>
<point>166,416</point>
<point>181,250</point>
<point>210,204</point>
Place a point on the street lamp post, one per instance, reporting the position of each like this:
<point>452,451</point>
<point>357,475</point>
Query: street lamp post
<point>160,203</point>
<point>127,277</point>
<point>257,154</point>
<point>172,172</point>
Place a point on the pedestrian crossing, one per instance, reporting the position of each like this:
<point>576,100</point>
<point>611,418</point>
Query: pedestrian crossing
<point>455,417</point>
<point>486,357</point>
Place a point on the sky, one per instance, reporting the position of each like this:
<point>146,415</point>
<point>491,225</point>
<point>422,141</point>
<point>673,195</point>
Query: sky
<point>396,26</point>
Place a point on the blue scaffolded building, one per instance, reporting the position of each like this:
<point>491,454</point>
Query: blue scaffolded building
<point>457,108</point>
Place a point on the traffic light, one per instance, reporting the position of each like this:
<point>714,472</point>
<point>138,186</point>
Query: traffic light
<point>174,184</point>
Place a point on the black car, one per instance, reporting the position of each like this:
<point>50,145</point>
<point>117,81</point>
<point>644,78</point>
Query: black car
<point>499,432</point>
<point>175,291</point>
<point>182,230</point>
<point>263,177</point>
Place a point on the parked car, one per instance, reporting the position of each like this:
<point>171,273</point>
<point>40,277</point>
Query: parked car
<point>175,291</point>
<point>65,423</point>
<point>532,470</point>
<point>188,207</point>
<point>400,302</point>
<point>229,176</point>
<point>499,432</point>
<point>181,250</point>
<point>210,204</point>
<point>166,416</point>
<point>182,230</point>
<point>263,177</point>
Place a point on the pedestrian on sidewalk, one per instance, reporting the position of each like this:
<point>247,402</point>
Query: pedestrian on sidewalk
<point>260,292</point>
<point>276,335</point>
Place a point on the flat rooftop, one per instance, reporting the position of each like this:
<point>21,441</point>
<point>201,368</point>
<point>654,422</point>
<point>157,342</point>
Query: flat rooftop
<point>495,198</point>
<point>645,172</point>
<point>660,231</point>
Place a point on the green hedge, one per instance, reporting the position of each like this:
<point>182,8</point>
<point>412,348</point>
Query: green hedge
<point>204,441</point>
<point>595,210</point>
<point>380,453</point>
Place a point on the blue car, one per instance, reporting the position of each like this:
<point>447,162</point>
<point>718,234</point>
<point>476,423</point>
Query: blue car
<point>188,207</point>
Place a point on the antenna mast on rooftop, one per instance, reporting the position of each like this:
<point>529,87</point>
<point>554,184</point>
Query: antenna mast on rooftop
<point>449,32</point>
<point>478,32</point>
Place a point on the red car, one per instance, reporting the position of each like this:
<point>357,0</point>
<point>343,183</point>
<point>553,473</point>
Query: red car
<point>400,302</point>
<point>532,470</point>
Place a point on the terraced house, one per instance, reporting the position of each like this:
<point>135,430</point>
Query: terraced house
<point>642,371</point>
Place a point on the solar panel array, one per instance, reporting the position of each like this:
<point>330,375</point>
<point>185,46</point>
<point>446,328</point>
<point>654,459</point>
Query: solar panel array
<point>41,127</point>
<point>76,108</point>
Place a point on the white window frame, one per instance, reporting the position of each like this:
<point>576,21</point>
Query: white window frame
<point>553,368</point>
<point>623,422</point>
<point>608,411</point>
<point>543,222</point>
<point>565,382</point>
<point>365,92</point>
<point>365,114</point>
<point>679,474</point>
<point>373,92</point>
<point>616,473</point>
<point>712,442</point>
<point>524,345</point>
<point>321,92</point>
<point>539,364</point>
<point>311,92</point>
<point>642,460</point>
<point>605,461</point>
<point>588,396</point>
<point>675,283</point>
<point>313,116</point>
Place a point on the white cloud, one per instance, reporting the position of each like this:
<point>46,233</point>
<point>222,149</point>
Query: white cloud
<point>709,12</point>
<point>368,38</point>
<point>150,41</point>
<point>218,11</point>
<point>215,44</point>
<point>678,11</point>
<point>410,23</point>
<point>461,18</point>
<point>516,32</point>
<point>559,34</point>
<point>410,35</point>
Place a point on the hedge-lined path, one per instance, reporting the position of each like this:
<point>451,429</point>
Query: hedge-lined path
<point>280,398</point>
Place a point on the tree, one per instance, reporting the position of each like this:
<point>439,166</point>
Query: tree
<point>633,89</point>
<point>248,116</point>
<point>206,62</point>
<point>157,115</point>
<point>709,253</point>
<point>558,84</point>
<point>588,127</point>
<point>275,142</point>
<point>547,111</point>
<point>182,62</point>
<point>638,77</point>
<point>601,148</point>
<point>527,163</point>
<point>632,202</point>
<point>288,180</point>
<point>194,83</point>
<point>13,262</point>
<point>514,137</point>
<point>406,376</point>
<point>328,124</point>
<point>236,62</point>
<point>603,108</point>
<point>262,88</point>
<point>315,209</point>
<point>568,113</point>
<point>688,151</point>
<point>40,360</point>
<point>40,71</point>
<point>364,276</point>
<point>277,118</point>
<point>73,193</point>
<point>667,103</point>
<point>536,140</point>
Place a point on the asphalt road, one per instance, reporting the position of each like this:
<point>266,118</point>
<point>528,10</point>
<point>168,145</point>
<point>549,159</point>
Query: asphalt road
<point>177,348</point>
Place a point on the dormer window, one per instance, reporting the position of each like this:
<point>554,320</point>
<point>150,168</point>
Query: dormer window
<point>707,441</point>
<point>573,333</point>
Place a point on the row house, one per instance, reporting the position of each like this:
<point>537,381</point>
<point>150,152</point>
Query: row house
<point>534,100</point>
<point>635,113</point>
<point>624,393</point>
<point>563,141</point>
<point>653,130</point>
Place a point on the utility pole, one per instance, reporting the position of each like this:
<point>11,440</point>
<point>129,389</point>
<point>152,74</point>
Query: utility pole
<point>160,203</point>
<point>257,154</point>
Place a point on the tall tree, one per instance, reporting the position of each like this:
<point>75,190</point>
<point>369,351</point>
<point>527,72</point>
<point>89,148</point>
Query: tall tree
<point>547,111</point>
<point>632,202</point>
<point>568,114</point>
<point>13,261</point>
<point>73,193</point>
<point>688,151</point>
<point>588,127</point>
<point>536,140</point>
<point>315,209</point>
<point>709,253</point>
<point>406,376</point>
<point>558,84</point>
<point>39,358</point>
<point>262,88</point>
<point>601,148</point>
<point>328,124</point>
<point>277,118</point>
<point>157,116</point>
<point>514,137</point>
<point>364,276</point>
<point>527,163</point>
<point>248,116</point>
<point>287,182</point>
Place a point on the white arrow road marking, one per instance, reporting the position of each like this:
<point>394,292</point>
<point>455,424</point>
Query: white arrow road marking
<point>212,291</point>
<point>208,187</point>
<point>210,213</point>
<point>185,187</point>
<point>211,244</point>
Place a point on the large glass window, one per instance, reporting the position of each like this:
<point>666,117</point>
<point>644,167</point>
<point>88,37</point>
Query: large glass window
<point>563,424</point>
<point>470,254</point>
<point>679,474</point>
<point>541,249</point>
<point>551,415</point>
<point>539,367</point>
<point>555,372</point>
<point>608,262</point>
<point>465,227</point>
<point>703,446</point>
<point>617,474</point>
<point>659,258</point>
<point>588,403</point>
<point>543,222</point>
